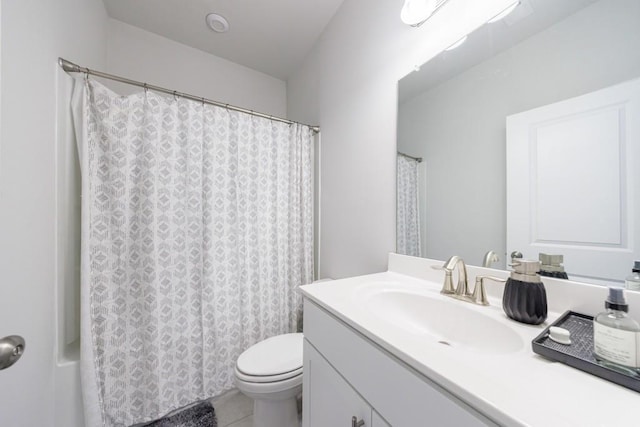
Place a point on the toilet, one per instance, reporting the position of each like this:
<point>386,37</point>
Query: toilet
<point>270,372</point>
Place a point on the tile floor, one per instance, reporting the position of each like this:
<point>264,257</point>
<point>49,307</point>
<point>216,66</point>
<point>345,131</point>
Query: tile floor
<point>234,409</point>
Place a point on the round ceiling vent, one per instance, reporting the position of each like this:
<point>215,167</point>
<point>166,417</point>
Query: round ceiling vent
<point>217,23</point>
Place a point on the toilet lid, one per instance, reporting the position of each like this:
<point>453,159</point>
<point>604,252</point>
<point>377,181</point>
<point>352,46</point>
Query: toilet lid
<point>273,356</point>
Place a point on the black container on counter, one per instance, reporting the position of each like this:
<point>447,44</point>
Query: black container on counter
<point>551,266</point>
<point>525,299</point>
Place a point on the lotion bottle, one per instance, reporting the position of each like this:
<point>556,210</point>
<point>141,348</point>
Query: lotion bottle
<point>615,334</point>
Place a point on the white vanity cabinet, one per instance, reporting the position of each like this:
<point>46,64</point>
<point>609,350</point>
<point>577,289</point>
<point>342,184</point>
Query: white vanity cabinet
<point>347,375</point>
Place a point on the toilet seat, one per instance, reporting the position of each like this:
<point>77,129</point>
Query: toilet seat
<point>267,378</point>
<point>275,359</point>
<point>268,390</point>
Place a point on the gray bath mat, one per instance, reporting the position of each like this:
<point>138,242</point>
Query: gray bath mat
<point>200,414</point>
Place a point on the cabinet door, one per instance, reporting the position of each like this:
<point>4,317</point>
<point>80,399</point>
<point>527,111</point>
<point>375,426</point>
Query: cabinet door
<point>328,399</point>
<point>377,421</point>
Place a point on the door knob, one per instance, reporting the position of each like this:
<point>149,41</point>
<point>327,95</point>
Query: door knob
<point>11,349</point>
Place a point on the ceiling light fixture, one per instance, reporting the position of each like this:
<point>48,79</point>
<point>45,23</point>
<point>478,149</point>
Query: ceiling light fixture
<point>458,43</point>
<point>504,13</point>
<point>415,12</point>
<point>217,23</point>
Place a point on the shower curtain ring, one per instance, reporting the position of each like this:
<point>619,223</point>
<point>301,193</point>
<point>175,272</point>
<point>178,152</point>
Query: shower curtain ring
<point>86,74</point>
<point>146,88</point>
<point>175,95</point>
<point>203,102</point>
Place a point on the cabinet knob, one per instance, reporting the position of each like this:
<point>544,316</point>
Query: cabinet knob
<point>356,423</point>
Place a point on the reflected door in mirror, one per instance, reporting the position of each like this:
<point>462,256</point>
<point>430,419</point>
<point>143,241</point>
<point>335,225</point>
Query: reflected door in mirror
<point>572,181</point>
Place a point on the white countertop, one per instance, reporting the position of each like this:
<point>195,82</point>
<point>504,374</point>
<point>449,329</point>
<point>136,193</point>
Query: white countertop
<point>518,388</point>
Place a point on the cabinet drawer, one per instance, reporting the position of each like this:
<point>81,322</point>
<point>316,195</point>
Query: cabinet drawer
<point>400,395</point>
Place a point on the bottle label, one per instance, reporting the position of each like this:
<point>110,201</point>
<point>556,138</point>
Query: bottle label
<point>616,345</point>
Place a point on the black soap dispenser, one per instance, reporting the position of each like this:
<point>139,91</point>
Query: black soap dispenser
<point>524,298</point>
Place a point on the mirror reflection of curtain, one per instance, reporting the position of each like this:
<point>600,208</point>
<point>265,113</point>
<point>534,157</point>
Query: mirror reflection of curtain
<point>408,216</point>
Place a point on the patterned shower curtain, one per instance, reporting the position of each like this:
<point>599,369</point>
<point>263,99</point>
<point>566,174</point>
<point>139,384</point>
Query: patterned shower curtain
<point>407,213</point>
<point>197,228</point>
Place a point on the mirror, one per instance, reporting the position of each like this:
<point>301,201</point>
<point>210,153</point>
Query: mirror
<point>452,114</point>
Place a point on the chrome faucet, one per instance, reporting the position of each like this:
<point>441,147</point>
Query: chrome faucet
<point>461,292</point>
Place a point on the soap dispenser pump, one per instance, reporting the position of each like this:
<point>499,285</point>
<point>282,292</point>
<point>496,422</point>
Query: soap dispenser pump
<point>525,298</point>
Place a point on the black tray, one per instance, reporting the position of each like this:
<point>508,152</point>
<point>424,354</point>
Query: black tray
<point>579,354</point>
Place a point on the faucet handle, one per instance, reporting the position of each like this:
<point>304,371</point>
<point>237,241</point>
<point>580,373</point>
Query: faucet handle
<point>462,290</point>
<point>479,295</point>
<point>447,286</point>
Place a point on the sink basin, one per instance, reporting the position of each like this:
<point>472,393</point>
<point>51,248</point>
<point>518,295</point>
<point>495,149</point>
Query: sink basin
<point>449,322</point>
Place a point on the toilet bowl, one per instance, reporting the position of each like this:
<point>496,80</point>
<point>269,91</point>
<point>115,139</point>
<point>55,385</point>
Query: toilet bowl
<point>270,372</point>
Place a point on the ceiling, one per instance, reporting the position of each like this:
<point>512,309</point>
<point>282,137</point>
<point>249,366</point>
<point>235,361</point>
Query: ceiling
<point>271,36</point>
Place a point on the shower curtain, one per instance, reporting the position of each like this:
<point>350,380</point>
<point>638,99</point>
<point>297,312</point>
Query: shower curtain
<point>407,213</point>
<point>197,228</point>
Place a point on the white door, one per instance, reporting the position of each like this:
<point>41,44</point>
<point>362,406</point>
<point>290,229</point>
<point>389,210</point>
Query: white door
<point>27,216</point>
<point>573,184</point>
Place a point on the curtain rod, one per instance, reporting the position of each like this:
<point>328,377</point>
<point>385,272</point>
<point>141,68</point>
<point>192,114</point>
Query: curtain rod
<point>417,159</point>
<point>70,67</point>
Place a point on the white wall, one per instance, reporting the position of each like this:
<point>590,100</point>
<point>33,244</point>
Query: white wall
<point>589,50</point>
<point>348,85</point>
<point>144,56</point>
<point>35,392</point>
